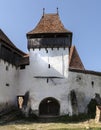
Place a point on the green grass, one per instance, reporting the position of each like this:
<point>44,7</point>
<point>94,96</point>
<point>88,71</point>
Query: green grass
<point>80,122</point>
<point>25,125</point>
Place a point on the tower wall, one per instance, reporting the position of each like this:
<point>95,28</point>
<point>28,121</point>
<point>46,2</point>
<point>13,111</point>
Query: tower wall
<point>58,86</point>
<point>50,62</point>
<point>43,82</point>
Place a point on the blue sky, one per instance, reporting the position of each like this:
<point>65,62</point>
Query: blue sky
<point>82,17</point>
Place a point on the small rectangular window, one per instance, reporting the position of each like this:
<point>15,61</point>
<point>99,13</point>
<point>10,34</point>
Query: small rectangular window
<point>22,67</point>
<point>7,84</point>
<point>7,68</point>
<point>46,51</point>
<point>47,80</point>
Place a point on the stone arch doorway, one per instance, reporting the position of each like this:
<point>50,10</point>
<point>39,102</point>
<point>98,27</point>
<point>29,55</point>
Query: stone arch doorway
<point>49,107</point>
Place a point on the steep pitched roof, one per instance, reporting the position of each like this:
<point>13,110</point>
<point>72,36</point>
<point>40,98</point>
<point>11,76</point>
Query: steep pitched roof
<point>49,23</point>
<point>74,59</point>
<point>4,38</point>
<point>9,43</point>
<point>24,60</point>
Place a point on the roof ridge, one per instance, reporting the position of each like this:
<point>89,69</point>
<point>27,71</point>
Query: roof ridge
<point>49,23</point>
<point>51,14</point>
<point>4,37</point>
<point>8,42</point>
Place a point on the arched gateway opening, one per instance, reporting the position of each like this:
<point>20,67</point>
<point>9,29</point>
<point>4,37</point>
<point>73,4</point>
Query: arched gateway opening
<point>49,107</point>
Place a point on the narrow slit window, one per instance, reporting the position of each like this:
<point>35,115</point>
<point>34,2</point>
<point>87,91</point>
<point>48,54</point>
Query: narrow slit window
<point>46,51</point>
<point>47,80</point>
<point>92,83</point>
<point>7,68</point>
<point>48,65</point>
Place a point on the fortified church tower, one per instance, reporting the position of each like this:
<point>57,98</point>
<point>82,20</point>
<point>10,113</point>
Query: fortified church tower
<point>51,80</point>
<point>49,45</point>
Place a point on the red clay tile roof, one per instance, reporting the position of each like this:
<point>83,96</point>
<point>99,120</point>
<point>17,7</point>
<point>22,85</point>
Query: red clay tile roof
<point>85,71</point>
<point>49,23</point>
<point>74,59</point>
<point>24,60</point>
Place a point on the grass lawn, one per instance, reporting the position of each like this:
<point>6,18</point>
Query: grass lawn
<point>80,122</point>
<point>25,125</point>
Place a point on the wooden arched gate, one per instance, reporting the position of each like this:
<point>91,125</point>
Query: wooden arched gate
<point>49,107</point>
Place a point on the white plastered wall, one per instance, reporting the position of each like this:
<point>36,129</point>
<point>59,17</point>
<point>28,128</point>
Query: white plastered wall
<point>30,79</point>
<point>85,90</point>
<point>33,78</point>
<point>8,83</point>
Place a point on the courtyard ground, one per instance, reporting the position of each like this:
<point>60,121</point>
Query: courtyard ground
<point>26,125</point>
<point>14,120</point>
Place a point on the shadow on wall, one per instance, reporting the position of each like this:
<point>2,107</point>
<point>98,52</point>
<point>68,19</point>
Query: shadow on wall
<point>47,66</point>
<point>5,106</point>
<point>74,102</point>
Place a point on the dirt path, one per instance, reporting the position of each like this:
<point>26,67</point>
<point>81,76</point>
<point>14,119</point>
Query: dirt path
<point>21,125</point>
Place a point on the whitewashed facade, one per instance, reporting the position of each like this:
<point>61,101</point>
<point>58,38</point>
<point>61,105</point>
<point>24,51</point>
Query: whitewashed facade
<point>8,84</point>
<point>55,88</point>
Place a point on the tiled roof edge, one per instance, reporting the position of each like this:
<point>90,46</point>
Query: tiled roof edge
<point>85,71</point>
